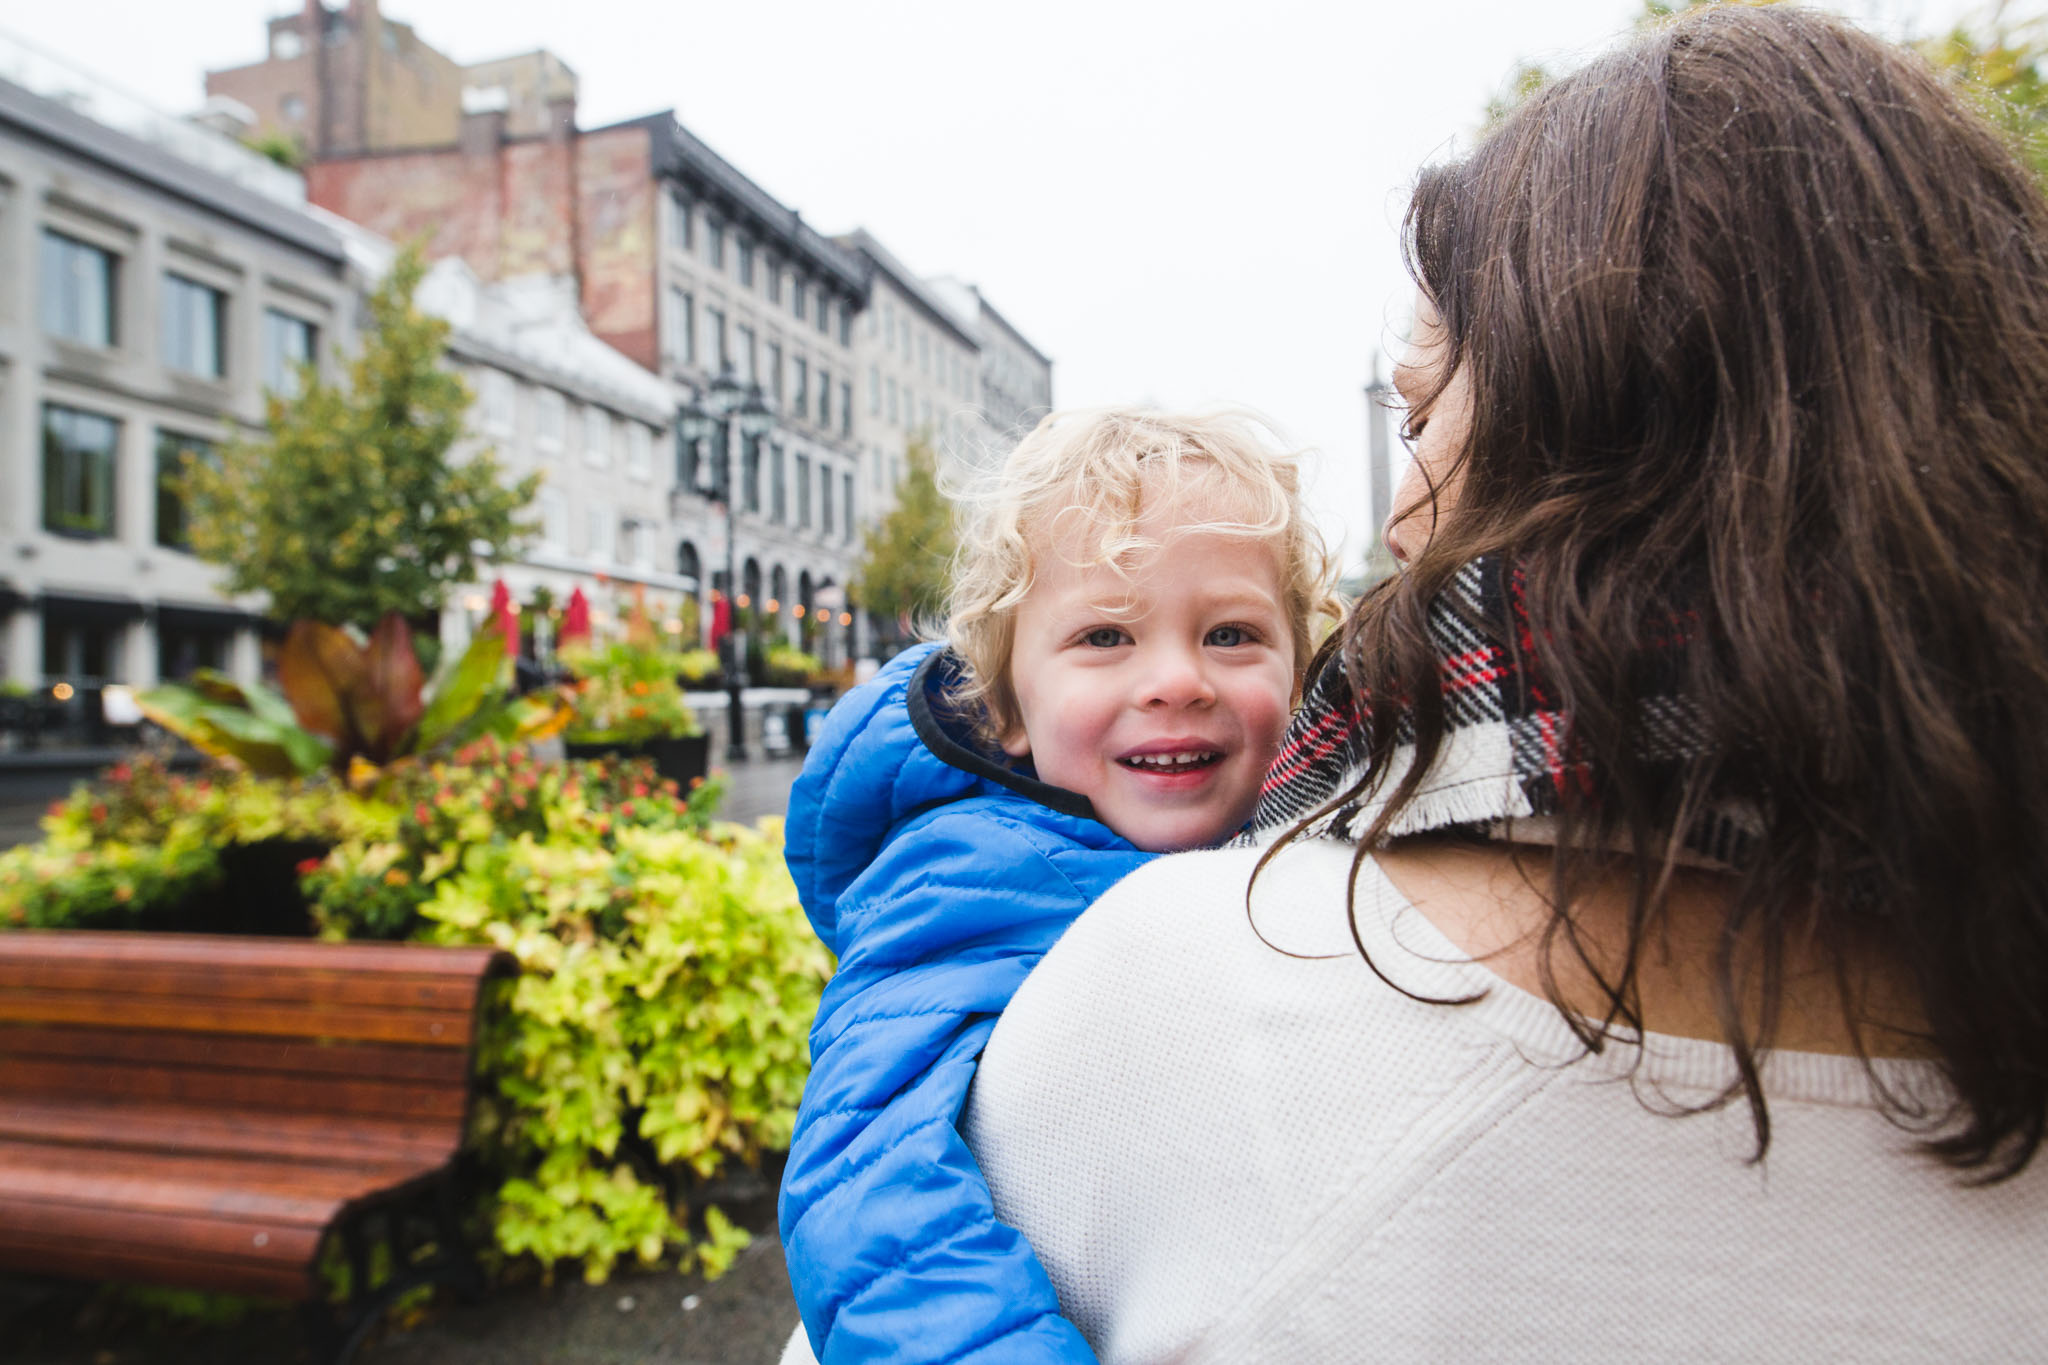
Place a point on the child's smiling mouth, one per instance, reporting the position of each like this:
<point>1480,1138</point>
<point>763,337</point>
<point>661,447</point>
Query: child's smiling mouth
<point>1179,761</point>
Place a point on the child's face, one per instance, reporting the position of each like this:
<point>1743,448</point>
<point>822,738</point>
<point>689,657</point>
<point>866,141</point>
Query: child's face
<point>1165,714</point>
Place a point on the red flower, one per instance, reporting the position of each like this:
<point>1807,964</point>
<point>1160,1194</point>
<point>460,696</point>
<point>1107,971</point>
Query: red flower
<point>626,809</point>
<point>120,772</point>
<point>307,867</point>
<point>99,812</point>
<point>421,815</point>
<point>639,789</point>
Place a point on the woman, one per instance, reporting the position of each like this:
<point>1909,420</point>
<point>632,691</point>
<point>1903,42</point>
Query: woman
<point>1653,959</point>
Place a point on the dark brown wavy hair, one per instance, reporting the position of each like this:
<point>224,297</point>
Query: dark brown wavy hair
<point>1755,317</point>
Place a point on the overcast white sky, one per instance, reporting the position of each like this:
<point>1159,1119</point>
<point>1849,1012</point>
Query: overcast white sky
<point>1181,202</point>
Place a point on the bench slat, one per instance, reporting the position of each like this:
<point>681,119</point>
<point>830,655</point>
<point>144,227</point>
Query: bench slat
<point>245,1189</point>
<point>250,1091</point>
<point>197,1014</point>
<point>224,952</point>
<point>34,1253</point>
<point>229,1052</point>
<point>174,1129</point>
<point>294,985</point>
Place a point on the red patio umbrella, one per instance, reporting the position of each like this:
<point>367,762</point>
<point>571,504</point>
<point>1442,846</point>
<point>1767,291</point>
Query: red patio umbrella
<point>502,619</point>
<point>576,618</point>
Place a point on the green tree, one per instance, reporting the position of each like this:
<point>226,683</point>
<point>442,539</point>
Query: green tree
<point>908,555</point>
<point>1994,59</point>
<point>351,506</point>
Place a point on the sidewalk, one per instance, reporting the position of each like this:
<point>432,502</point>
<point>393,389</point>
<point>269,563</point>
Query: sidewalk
<point>648,1318</point>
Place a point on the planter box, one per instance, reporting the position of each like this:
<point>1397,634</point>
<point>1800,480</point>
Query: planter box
<point>681,758</point>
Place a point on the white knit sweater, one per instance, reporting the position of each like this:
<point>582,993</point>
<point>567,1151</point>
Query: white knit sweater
<point>1223,1153</point>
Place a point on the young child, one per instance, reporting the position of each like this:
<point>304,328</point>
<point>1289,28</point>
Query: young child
<point>1130,616</point>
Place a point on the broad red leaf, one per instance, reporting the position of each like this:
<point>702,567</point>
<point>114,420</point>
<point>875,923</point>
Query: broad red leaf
<point>320,670</point>
<point>390,703</point>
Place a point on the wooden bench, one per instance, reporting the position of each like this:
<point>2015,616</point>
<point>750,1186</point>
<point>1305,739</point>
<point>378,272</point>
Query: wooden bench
<point>204,1112</point>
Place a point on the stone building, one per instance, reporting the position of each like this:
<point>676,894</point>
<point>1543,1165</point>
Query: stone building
<point>155,278</point>
<point>345,81</point>
<point>691,270</point>
<point>1015,384</point>
<point>919,364</point>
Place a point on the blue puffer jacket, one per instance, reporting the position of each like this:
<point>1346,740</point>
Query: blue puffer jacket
<point>940,878</point>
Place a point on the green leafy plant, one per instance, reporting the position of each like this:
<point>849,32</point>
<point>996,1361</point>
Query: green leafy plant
<point>907,556</point>
<point>788,667</point>
<point>351,705</point>
<point>627,692</point>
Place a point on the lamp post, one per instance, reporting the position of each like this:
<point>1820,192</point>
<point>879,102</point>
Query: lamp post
<point>711,417</point>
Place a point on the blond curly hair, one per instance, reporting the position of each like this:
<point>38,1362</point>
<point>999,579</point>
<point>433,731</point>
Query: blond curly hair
<point>1085,477</point>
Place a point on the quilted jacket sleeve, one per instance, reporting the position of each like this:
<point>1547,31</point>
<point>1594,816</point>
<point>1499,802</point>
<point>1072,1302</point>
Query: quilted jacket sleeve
<point>892,1242</point>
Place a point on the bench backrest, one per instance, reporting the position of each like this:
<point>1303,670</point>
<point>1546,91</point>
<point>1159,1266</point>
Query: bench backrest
<point>378,1032</point>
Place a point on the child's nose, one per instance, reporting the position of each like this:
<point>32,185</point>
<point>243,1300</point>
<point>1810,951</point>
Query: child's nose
<point>1177,679</point>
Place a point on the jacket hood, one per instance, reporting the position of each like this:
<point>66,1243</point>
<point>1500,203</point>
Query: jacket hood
<point>893,747</point>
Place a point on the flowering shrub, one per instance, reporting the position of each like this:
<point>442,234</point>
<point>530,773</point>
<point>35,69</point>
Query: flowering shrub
<point>788,667</point>
<point>657,1030</point>
<point>626,693</point>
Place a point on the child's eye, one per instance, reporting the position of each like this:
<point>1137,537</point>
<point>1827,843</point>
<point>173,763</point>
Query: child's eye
<point>1231,637</point>
<point>1103,637</point>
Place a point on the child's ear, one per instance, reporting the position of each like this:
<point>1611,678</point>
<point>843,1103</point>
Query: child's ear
<point>1015,742</point>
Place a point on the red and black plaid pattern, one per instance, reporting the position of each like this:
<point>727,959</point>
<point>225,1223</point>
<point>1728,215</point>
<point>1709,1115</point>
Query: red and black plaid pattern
<point>1506,753</point>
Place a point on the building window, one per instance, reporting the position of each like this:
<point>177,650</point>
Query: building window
<point>824,398</point>
<point>597,437</point>
<point>494,395</point>
<point>550,413</point>
<point>778,486</point>
<point>775,372</point>
<point>797,291</point>
<point>715,351</point>
<point>824,497</point>
<point>924,352</point>
<point>600,532</point>
<point>689,462</point>
<point>78,471</point>
<point>824,315</point>
<point>801,398</point>
<point>803,492</point>
<point>845,325</point>
<point>173,520</point>
<point>639,450</point>
<point>750,475</point>
<point>927,406</point>
<point>774,268</point>
<point>846,484</point>
<point>679,234</point>
<point>874,391</point>
<point>554,521</point>
<point>905,335</point>
<point>79,651</point>
<point>182,650</point>
<point>714,235</point>
<point>288,344</point>
<point>846,407</point>
<point>681,326</point>
<point>889,327</point>
<point>748,356</point>
<point>195,318</point>
<point>745,251</point>
<point>78,290</point>
<point>893,410</point>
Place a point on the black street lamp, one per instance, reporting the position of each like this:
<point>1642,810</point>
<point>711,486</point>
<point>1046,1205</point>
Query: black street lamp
<point>711,419</point>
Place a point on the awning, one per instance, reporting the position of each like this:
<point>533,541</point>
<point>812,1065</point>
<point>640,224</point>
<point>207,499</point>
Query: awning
<point>179,616</point>
<point>89,609</point>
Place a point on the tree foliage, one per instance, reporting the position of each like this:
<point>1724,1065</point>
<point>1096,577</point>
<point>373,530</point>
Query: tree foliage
<point>908,555</point>
<point>1995,59</point>
<point>350,506</point>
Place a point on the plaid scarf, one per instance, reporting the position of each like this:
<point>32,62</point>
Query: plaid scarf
<point>1503,768</point>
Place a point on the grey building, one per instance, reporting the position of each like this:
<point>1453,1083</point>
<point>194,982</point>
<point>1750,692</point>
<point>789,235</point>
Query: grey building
<point>919,365</point>
<point>1015,388</point>
<point>748,288</point>
<point>155,279</point>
